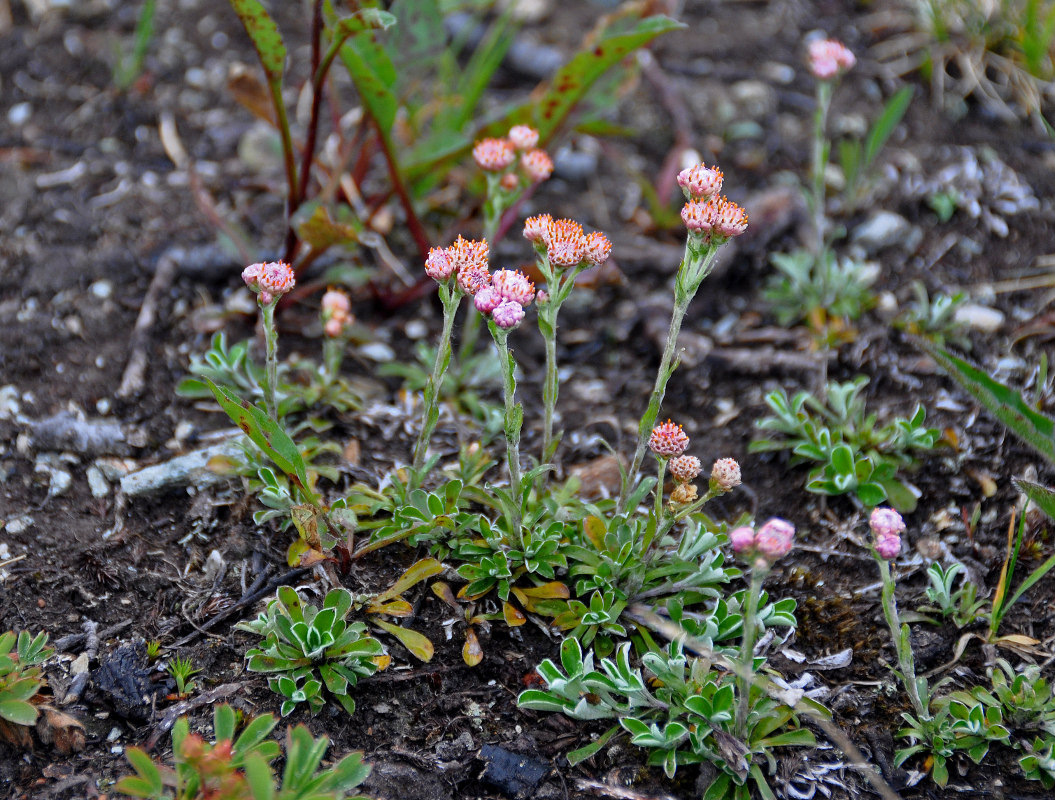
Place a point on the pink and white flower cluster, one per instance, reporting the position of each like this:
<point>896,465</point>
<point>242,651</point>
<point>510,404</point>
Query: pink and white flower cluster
<point>706,213</point>
<point>770,543</point>
<point>829,58</point>
<point>887,527</point>
<point>269,280</point>
<point>565,243</point>
<point>336,313</point>
<point>499,155</point>
<point>506,298</point>
<point>464,261</point>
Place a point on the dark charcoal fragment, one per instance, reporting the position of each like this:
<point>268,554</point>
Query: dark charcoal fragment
<point>511,773</point>
<point>122,681</point>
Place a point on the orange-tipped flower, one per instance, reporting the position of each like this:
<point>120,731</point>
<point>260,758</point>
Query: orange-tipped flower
<point>598,248</point>
<point>731,220</point>
<point>536,228</point>
<point>668,440</point>
<point>523,137</point>
<point>700,182</point>
<point>494,155</point>
<point>684,468</point>
<point>565,243</point>
<point>829,58</point>
<point>513,285</point>
<point>537,165</point>
<point>439,265</point>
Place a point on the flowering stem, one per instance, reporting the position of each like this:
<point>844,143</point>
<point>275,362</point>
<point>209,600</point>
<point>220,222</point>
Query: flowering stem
<point>514,420</point>
<point>747,653</point>
<point>817,167</point>
<point>271,339</point>
<point>697,263</point>
<point>901,640</point>
<point>451,298</point>
<point>495,204</point>
<point>332,356</point>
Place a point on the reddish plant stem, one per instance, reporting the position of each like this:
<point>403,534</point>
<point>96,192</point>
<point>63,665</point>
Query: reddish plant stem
<point>417,230</point>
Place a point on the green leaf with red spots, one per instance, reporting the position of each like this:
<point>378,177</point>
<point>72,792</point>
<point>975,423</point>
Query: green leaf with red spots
<point>372,71</point>
<point>268,436</point>
<point>264,34</point>
<point>574,79</point>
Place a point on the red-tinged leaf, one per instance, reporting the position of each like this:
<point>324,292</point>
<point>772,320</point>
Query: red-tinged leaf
<point>512,617</point>
<point>264,34</point>
<point>595,531</point>
<point>417,643</point>
<point>553,589</point>
<point>393,608</point>
<point>472,653</point>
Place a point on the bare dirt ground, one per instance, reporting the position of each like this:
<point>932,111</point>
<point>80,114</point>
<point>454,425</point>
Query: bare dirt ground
<point>90,204</point>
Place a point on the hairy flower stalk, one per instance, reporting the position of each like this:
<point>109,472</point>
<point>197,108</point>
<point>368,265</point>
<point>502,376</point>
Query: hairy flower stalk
<point>760,550</point>
<point>711,221</point>
<point>459,269</point>
<point>887,526</point>
<point>562,251</point>
<point>269,282</point>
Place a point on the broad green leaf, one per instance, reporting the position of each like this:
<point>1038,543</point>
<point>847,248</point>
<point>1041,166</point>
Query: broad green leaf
<point>884,125</point>
<point>264,34</point>
<point>583,753</point>
<point>417,643</point>
<point>18,711</point>
<point>374,76</point>
<point>1004,403</point>
<point>268,435</point>
<point>259,777</point>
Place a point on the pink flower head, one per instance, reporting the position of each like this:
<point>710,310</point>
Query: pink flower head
<point>541,297</point>
<point>886,522</point>
<point>487,299</point>
<point>829,58</point>
<point>725,474</point>
<point>472,278</point>
<point>537,165</point>
<point>742,539</point>
<point>470,260</point>
<point>668,440</point>
<point>251,276</point>
<point>684,468</point>
<point>508,314</point>
<point>334,327</point>
<point>700,182</point>
<point>598,248</point>
<point>536,228</point>
<point>335,303</point>
<point>774,539</point>
<point>439,265</point>
<point>523,137</point>
<point>270,280</point>
<point>494,155</point>
<point>888,547</point>
<point>513,285</point>
<point>510,182</point>
<point>699,216</point>
<point>565,243</point>
<point>730,219</point>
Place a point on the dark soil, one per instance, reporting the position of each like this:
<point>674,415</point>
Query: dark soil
<point>91,202</point>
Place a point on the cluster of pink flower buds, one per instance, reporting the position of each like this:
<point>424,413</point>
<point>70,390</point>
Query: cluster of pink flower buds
<point>336,313</point>
<point>506,298</point>
<point>887,527</point>
<point>565,243</point>
<point>684,470</point>
<point>770,543</point>
<point>269,280</point>
<point>499,155</point>
<point>465,261</point>
<point>706,213</point>
<point>829,58</point>
<point>668,440</point>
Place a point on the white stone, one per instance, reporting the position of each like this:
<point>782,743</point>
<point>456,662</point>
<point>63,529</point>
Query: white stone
<point>980,318</point>
<point>97,482</point>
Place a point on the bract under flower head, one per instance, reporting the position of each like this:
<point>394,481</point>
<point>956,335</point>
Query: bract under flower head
<point>565,243</point>
<point>275,279</point>
<point>598,248</point>
<point>700,182</point>
<point>536,228</point>
<point>668,440</point>
<point>508,314</point>
<point>829,58</point>
<point>684,468</point>
<point>725,474</point>
<point>886,522</point>
<point>513,285</point>
<point>774,539</point>
<point>494,155</point>
<point>523,137</point>
<point>439,265</point>
<point>537,165</point>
